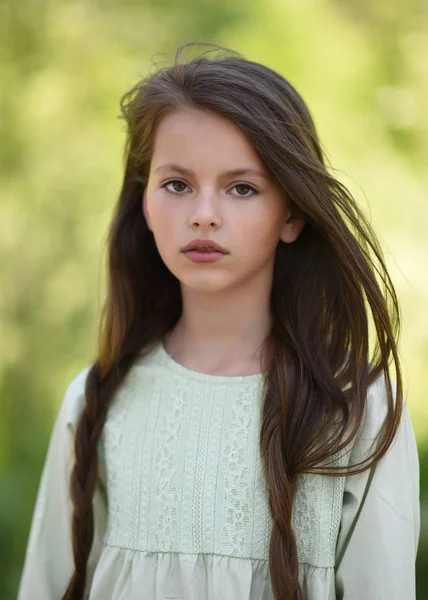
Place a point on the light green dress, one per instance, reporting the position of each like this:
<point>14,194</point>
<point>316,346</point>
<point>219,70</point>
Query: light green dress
<point>181,508</point>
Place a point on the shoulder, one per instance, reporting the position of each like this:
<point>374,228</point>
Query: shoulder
<point>376,412</point>
<point>377,407</point>
<point>74,398</point>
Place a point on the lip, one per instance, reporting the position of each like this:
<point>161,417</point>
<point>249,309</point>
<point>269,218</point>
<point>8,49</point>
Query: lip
<point>200,244</point>
<point>200,256</point>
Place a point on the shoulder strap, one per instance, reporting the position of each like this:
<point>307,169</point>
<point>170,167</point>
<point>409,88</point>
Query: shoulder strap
<point>354,522</point>
<point>366,490</point>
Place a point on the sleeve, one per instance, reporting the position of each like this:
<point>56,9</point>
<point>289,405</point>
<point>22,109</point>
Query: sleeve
<point>380,523</point>
<point>48,562</point>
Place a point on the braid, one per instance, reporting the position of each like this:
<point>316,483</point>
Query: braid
<point>98,394</point>
<point>281,478</point>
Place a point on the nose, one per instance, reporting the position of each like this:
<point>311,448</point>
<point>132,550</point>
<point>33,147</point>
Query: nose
<point>206,212</point>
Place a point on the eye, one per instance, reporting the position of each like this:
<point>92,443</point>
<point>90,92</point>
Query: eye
<point>244,188</point>
<point>178,186</point>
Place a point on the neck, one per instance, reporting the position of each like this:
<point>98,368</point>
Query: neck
<point>222,333</point>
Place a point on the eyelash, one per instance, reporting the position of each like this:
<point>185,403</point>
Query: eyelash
<point>251,187</point>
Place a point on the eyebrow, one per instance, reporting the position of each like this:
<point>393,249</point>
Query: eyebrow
<point>231,173</point>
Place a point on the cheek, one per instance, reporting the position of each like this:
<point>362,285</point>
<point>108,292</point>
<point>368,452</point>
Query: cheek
<point>161,218</point>
<point>259,232</point>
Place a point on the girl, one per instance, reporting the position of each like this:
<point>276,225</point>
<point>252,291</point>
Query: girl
<point>239,435</point>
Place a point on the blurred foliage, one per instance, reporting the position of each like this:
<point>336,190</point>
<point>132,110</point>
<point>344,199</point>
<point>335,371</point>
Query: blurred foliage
<point>362,68</point>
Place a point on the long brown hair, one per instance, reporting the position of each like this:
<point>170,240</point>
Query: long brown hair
<point>331,295</point>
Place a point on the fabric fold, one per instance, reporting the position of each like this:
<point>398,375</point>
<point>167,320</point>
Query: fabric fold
<point>126,574</point>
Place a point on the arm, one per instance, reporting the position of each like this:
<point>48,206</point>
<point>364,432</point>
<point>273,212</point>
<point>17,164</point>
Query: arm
<point>49,558</point>
<point>376,555</point>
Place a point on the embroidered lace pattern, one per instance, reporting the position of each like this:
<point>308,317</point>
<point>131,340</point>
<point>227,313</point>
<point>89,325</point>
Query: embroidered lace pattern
<point>183,469</point>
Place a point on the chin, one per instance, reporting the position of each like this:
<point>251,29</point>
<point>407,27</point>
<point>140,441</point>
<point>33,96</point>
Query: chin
<point>210,283</point>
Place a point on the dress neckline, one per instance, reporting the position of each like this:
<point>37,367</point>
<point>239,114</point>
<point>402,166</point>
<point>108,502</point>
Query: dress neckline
<point>169,361</point>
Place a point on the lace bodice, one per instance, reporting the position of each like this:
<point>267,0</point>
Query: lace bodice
<point>184,474</point>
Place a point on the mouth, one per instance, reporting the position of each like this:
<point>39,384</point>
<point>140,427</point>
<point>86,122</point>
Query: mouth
<point>203,246</point>
<point>204,250</point>
<point>204,255</point>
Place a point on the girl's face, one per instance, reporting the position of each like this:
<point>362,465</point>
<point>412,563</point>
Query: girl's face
<point>192,192</point>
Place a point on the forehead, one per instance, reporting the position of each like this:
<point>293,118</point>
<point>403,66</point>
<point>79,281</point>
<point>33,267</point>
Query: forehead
<point>203,138</point>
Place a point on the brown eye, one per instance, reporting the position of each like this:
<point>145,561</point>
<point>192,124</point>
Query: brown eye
<point>178,186</point>
<point>244,188</point>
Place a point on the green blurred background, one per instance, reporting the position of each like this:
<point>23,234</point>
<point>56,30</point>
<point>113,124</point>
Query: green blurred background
<point>362,67</point>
